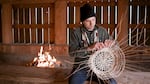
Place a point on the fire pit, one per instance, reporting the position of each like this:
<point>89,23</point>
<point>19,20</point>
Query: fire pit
<point>44,59</point>
<point>24,69</point>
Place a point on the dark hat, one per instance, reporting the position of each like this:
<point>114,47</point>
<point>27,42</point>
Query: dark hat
<point>86,11</point>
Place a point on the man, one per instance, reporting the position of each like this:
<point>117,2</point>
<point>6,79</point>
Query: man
<point>83,42</point>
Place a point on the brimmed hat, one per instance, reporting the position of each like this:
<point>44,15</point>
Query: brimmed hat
<point>86,11</point>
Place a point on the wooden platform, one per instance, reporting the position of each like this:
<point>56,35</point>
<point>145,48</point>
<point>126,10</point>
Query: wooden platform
<point>14,74</point>
<point>14,71</point>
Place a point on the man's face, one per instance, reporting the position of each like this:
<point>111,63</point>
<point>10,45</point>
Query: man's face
<point>89,23</point>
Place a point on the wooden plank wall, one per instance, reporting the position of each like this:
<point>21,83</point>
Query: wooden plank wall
<point>134,14</point>
<point>45,22</point>
<point>101,10</point>
<point>0,26</point>
<point>33,23</point>
<point>139,18</point>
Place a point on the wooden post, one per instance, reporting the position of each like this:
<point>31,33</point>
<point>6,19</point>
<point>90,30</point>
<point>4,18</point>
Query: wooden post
<point>123,20</point>
<point>60,22</point>
<point>6,24</point>
<point>78,15</point>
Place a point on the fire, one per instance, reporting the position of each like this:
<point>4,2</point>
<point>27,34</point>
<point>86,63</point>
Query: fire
<point>44,59</point>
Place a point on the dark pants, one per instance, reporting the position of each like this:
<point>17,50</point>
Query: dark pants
<point>81,76</point>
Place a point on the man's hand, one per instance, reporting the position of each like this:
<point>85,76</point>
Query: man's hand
<point>96,46</point>
<point>100,45</point>
<point>108,43</point>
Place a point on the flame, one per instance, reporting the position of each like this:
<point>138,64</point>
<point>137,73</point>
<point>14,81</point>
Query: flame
<point>44,59</point>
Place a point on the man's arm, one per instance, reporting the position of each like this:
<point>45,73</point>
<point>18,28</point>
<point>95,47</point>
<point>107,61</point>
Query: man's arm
<point>75,49</point>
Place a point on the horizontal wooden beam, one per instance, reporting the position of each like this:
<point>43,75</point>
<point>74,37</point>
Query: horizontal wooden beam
<point>104,25</point>
<point>97,3</point>
<point>142,2</point>
<point>26,1</point>
<point>33,26</point>
<point>29,5</point>
<point>139,25</point>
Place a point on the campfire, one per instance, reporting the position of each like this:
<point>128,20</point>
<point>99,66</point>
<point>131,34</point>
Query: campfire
<point>44,59</point>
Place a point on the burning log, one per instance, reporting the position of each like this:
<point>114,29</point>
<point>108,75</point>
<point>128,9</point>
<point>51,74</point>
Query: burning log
<point>44,59</point>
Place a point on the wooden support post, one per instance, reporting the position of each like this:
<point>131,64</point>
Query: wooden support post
<point>78,15</point>
<point>6,24</point>
<point>60,22</point>
<point>123,20</point>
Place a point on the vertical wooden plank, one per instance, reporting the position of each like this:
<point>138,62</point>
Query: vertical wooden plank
<point>105,15</point>
<point>134,14</point>
<point>0,24</point>
<point>134,21</point>
<point>52,29</point>
<point>148,14</point>
<point>60,22</point>
<point>20,15</point>
<point>98,14</point>
<point>141,19</point>
<point>148,28</point>
<point>27,34</point>
<point>33,30</point>
<point>141,14</point>
<point>15,17</point>
<point>77,14</point>
<point>21,32</point>
<point>112,14</point>
<point>45,22</point>
<point>6,24</point>
<point>39,21</point>
<point>112,17</point>
<point>123,20</point>
<point>45,15</point>
<point>71,14</point>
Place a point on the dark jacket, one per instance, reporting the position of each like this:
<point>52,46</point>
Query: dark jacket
<point>76,44</point>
